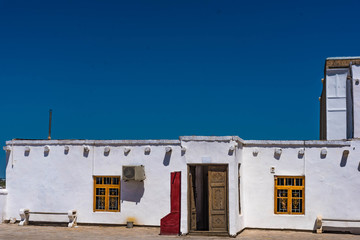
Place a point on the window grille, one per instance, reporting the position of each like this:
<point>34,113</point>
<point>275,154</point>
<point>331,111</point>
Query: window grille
<point>289,195</point>
<point>106,193</point>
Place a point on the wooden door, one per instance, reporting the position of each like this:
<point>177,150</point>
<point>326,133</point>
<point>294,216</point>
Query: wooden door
<point>192,200</point>
<point>217,198</point>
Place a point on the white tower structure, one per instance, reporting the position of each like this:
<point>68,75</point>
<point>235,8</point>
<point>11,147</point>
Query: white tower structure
<point>340,99</point>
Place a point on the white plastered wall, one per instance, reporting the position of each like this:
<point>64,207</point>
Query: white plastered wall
<point>3,200</point>
<point>60,182</point>
<point>259,186</point>
<point>148,201</point>
<point>240,224</point>
<point>216,152</point>
<point>331,184</point>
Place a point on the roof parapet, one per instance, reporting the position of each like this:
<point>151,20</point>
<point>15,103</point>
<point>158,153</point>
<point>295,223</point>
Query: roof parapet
<point>211,138</point>
<point>341,62</point>
<point>92,142</point>
<point>306,143</point>
<point>330,143</point>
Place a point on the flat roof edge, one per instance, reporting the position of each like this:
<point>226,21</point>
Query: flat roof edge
<point>125,142</point>
<point>307,143</point>
<point>342,58</point>
<point>211,138</point>
<point>93,142</point>
<point>331,143</point>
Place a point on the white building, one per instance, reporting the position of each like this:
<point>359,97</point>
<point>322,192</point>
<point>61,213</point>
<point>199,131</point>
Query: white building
<point>227,183</point>
<point>340,99</point>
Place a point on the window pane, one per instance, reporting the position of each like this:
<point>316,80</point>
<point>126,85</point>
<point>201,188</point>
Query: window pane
<point>100,203</point>
<point>289,182</point>
<point>282,204</point>
<point>98,180</point>
<point>297,205</point>
<point>280,182</point>
<point>100,191</point>
<point>282,200</point>
<point>113,192</point>
<point>113,203</point>
<point>282,193</point>
<point>299,182</point>
<point>107,180</point>
<point>115,181</point>
<point>297,193</point>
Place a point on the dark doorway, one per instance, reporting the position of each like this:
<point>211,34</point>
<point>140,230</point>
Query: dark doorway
<point>208,198</point>
<point>200,198</point>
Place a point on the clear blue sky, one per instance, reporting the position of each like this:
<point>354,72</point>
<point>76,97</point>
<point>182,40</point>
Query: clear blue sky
<point>162,69</point>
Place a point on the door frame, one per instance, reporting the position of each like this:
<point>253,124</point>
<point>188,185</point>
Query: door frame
<point>189,196</point>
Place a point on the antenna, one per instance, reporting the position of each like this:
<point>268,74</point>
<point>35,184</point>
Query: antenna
<point>50,117</point>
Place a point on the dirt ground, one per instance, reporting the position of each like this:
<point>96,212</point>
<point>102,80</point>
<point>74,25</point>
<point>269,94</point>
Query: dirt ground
<point>32,232</point>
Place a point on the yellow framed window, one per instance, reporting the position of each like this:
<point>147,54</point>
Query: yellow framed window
<point>289,195</point>
<point>107,193</point>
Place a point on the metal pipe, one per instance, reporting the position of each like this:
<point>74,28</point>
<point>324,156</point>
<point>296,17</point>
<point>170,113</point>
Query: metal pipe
<point>50,117</point>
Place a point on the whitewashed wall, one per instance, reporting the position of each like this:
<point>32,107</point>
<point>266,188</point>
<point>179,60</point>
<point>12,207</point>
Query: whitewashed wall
<point>61,181</point>
<point>259,186</point>
<point>240,223</point>
<point>3,199</point>
<point>206,151</point>
<point>331,183</point>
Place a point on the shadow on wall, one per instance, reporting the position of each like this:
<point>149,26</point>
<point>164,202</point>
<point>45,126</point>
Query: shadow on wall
<point>277,155</point>
<point>344,158</point>
<point>167,157</point>
<point>132,191</point>
<point>7,158</point>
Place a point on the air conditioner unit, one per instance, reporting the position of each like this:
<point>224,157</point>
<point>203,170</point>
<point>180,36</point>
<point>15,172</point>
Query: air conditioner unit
<point>135,173</point>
